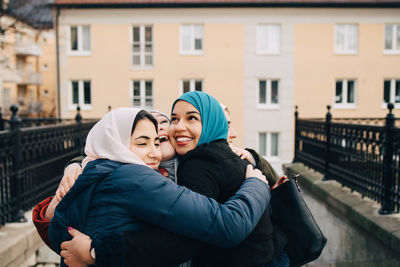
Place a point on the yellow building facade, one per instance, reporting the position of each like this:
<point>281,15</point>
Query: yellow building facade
<point>109,69</point>
<point>261,60</point>
<point>27,74</point>
<point>321,72</point>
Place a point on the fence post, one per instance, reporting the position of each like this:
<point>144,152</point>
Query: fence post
<point>16,182</point>
<point>1,121</point>
<point>296,134</point>
<point>328,120</point>
<point>388,182</point>
<point>78,119</point>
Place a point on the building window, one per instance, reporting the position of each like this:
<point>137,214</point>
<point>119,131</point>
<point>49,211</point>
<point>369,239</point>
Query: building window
<point>268,94</point>
<point>391,92</point>
<point>268,38</point>
<point>345,94</point>
<point>79,40</point>
<point>392,38</point>
<point>142,94</point>
<point>192,36</point>
<point>142,46</point>
<point>191,85</point>
<point>346,38</point>
<point>81,94</point>
<point>268,144</point>
<point>5,98</point>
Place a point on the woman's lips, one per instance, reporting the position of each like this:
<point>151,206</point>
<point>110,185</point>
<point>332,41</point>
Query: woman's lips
<point>163,138</point>
<point>153,164</point>
<point>183,140</point>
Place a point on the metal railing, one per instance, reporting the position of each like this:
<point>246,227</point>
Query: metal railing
<point>365,158</point>
<point>32,122</point>
<point>32,162</point>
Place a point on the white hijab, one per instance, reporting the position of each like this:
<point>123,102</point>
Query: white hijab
<point>110,137</point>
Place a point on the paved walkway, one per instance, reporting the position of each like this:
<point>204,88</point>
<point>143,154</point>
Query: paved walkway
<point>20,246</point>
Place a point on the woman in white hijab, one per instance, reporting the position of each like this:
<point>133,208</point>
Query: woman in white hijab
<point>119,190</point>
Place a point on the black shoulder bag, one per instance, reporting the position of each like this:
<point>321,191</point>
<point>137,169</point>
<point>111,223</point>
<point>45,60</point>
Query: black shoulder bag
<point>292,215</point>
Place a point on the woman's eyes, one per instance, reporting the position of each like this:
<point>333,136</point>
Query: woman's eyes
<point>189,118</point>
<point>193,118</point>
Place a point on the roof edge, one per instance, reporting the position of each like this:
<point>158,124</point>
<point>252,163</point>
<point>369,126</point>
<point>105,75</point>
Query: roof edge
<point>388,4</point>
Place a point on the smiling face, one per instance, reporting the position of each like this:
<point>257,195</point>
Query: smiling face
<point>167,150</point>
<point>185,128</point>
<point>145,143</point>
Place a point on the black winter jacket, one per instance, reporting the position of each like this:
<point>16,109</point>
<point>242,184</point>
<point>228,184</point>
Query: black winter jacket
<point>215,171</point>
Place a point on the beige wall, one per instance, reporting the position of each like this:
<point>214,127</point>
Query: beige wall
<point>31,63</point>
<point>49,76</point>
<point>316,67</point>
<point>109,67</point>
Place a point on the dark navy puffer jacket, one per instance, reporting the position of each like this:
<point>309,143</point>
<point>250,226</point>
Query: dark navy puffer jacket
<point>110,196</point>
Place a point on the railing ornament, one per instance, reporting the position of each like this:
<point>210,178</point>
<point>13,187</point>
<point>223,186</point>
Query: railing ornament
<point>78,117</point>
<point>328,114</point>
<point>390,107</point>
<point>14,109</point>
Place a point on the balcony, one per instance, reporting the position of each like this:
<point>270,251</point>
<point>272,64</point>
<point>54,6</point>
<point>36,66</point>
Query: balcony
<point>9,75</point>
<point>27,49</point>
<point>30,78</point>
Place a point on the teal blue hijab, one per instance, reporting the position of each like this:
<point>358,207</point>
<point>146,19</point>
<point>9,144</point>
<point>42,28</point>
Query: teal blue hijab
<point>214,123</point>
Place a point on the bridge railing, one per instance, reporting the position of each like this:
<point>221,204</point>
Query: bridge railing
<point>362,154</point>
<point>32,162</point>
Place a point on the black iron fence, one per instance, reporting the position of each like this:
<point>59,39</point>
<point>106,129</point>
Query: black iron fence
<point>31,122</point>
<point>361,156</point>
<point>32,162</point>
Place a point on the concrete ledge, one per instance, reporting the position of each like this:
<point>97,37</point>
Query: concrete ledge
<point>363,212</point>
<point>19,243</point>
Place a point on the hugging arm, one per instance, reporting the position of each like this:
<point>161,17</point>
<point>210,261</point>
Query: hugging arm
<point>265,167</point>
<point>180,210</point>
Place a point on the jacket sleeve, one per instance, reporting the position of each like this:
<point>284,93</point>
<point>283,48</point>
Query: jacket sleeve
<point>152,198</point>
<point>40,222</point>
<point>265,167</point>
<point>77,159</point>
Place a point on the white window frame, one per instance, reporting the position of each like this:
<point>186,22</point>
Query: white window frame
<point>142,93</point>
<point>268,50</point>
<point>268,147</point>
<point>269,104</point>
<point>81,98</point>
<point>192,83</point>
<point>80,51</point>
<point>392,93</point>
<point>394,50</point>
<point>192,50</point>
<point>345,104</point>
<point>142,52</point>
<point>346,50</point>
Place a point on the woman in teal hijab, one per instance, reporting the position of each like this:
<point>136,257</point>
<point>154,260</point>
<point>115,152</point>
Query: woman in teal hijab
<point>198,132</point>
<point>196,119</point>
<point>214,123</point>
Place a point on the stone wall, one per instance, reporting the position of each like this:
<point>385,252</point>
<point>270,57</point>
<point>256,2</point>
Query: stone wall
<point>357,234</point>
<point>21,246</point>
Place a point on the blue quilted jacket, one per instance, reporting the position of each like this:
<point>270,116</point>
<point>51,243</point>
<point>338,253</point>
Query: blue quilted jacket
<point>110,196</point>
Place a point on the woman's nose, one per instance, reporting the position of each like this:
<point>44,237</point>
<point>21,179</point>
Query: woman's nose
<point>153,152</point>
<point>232,133</point>
<point>180,125</point>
